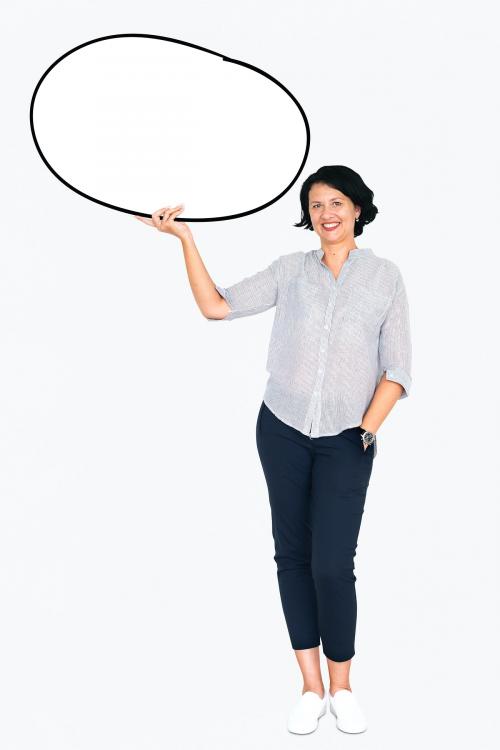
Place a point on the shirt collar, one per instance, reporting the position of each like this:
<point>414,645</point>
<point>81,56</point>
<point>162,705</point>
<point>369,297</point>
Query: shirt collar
<point>358,252</point>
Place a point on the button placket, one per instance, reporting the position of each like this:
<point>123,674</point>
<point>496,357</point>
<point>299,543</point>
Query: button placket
<point>316,407</point>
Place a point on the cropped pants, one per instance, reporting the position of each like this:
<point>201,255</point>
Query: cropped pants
<point>317,489</point>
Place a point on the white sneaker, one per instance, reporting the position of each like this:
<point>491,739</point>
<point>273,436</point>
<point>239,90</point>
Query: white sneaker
<point>304,716</point>
<point>347,711</point>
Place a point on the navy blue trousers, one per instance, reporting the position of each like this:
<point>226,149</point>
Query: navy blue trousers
<point>317,489</point>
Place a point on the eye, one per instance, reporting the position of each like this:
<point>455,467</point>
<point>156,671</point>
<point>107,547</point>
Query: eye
<point>336,203</point>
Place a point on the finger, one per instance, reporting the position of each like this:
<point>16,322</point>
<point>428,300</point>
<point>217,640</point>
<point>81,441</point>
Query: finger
<point>162,216</point>
<point>165,215</point>
<point>171,209</point>
<point>156,216</point>
<point>168,216</point>
<point>173,213</point>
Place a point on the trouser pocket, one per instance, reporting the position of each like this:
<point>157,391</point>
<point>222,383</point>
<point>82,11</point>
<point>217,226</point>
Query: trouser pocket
<point>357,432</point>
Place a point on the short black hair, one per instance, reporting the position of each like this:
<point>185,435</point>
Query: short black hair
<point>348,182</point>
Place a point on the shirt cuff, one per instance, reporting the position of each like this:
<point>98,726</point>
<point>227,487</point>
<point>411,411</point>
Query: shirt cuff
<point>398,375</point>
<point>231,314</point>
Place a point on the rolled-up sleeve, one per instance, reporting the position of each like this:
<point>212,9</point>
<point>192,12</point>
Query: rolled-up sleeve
<point>253,294</point>
<point>395,351</point>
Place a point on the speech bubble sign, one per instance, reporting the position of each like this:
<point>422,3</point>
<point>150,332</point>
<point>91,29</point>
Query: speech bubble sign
<point>138,121</point>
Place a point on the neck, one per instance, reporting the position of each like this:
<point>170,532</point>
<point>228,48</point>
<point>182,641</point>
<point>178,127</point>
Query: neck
<point>337,253</point>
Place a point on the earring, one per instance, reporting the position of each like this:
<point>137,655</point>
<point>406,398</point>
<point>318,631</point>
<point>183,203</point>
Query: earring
<point>357,218</point>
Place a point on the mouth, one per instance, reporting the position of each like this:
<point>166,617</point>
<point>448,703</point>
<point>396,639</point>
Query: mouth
<point>331,226</point>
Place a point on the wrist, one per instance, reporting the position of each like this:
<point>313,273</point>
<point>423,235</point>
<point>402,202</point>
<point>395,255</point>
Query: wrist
<point>368,437</point>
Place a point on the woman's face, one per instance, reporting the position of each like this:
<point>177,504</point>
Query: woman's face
<point>328,206</point>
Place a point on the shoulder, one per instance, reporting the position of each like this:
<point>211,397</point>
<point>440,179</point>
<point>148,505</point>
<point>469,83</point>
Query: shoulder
<point>386,265</point>
<point>290,264</point>
<point>380,276</point>
<point>386,272</point>
<point>292,259</point>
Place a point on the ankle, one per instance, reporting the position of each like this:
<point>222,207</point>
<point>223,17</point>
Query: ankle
<point>319,689</point>
<point>334,688</point>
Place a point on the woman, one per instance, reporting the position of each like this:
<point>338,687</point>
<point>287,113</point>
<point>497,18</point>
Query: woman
<point>339,359</point>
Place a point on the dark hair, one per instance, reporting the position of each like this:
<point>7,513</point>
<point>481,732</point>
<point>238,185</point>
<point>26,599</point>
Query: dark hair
<point>348,182</point>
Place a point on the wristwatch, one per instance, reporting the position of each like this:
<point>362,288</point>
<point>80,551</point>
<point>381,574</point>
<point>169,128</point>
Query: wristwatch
<point>367,437</point>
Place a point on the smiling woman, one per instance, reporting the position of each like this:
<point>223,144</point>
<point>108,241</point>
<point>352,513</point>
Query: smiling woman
<point>339,359</point>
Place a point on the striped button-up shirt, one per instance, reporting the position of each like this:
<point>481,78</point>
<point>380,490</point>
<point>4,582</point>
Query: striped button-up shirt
<point>332,339</point>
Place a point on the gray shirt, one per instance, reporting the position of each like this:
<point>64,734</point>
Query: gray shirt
<point>332,339</point>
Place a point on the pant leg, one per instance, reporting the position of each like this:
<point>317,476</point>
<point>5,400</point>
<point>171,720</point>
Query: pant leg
<point>286,457</point>
<point>340,477</point>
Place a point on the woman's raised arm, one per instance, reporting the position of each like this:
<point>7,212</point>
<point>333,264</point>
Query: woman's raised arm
<point>211,303</point>
<point>251,295</point>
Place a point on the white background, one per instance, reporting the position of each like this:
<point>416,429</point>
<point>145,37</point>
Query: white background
<point>139,600</point>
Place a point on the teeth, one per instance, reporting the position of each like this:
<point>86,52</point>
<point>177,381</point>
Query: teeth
<point>332,225</point>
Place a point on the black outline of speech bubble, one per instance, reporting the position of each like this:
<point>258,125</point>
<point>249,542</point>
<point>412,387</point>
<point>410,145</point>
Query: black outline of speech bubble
<point>187,44</point>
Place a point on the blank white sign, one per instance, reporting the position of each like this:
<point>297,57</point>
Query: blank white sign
<point>136,122</point>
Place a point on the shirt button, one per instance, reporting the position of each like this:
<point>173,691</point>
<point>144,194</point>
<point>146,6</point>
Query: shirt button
<point>326,327</point>
<point>320,369</point>
<point>315,393</point>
